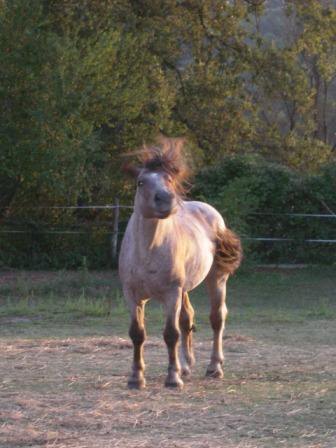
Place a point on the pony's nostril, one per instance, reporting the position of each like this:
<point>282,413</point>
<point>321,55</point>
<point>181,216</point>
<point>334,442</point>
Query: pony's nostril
<point>163,197</point>
<point>157,198</point>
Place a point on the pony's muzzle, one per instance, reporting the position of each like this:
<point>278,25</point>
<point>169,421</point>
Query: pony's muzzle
<point>163,198</point>
<point>165,202</point>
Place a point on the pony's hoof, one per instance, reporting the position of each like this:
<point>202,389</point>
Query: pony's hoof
<point>136,383</point>
<point>214,373</point>
<point>175,383</point>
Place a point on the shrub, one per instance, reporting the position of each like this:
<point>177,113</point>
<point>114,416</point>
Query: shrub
<point>255,198</point>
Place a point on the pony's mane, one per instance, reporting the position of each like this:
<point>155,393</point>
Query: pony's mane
<point>167,156</point>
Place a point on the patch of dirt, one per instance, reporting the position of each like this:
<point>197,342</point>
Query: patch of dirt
<point>72,393</point>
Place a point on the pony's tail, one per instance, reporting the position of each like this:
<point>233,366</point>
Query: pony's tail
<point>229,252</point>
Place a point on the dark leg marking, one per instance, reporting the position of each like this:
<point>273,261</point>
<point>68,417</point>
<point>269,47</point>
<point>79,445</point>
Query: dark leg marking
<point>171,336</point>
<point>137,334</point>
<point>187,327</point>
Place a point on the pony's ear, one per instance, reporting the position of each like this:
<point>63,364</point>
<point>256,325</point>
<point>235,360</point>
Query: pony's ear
<point>131,170</point>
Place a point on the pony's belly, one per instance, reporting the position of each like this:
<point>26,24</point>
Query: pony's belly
<point>196,272</point>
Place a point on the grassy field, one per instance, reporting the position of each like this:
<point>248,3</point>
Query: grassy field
<point>65,356</point>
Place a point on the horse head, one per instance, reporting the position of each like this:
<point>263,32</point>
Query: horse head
<point>160,179</point>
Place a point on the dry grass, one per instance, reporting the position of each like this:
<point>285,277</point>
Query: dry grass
<point>279,389</point>
<point>71,393</point>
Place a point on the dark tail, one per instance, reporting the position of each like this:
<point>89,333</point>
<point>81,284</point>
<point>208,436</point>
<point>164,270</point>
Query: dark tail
<point>229,252</point>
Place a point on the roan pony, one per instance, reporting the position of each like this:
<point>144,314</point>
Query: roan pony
<point>170,247</point>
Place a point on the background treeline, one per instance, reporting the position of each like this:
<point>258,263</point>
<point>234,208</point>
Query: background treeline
<point>250,83</point>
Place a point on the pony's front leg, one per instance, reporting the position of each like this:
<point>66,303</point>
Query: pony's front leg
<point>187,327</point>
<point>137,333</point>
<point>171,336</point>
<point>216,285</point>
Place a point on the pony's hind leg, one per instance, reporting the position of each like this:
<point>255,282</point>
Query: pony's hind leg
<point>216,285</point>
<point>137,333</point>
<point>171,336</point>
<point>187,327</point>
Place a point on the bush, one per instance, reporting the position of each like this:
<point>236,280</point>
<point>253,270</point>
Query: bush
<point>255,197</point>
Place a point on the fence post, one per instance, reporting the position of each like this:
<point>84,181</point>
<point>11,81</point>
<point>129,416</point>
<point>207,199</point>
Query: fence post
<point>114,238</point>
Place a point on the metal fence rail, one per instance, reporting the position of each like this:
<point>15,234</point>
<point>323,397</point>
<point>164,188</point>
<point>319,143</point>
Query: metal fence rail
<point>113,206</point>
<point>113,229</point>
<point>290,239</point>
<point>296,215</point>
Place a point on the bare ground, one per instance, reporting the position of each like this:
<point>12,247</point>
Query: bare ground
<point>279,391</point>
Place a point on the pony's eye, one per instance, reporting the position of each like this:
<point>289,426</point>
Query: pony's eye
<point>140,183</point>
<point>168,178</point>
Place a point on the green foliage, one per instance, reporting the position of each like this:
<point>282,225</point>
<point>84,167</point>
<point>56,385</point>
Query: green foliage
<point>254,197</point>
<point>214,102</point>
<point>82,82</point>
<point>295,87</point>
<point>237,201</point>
<point>65,93</point>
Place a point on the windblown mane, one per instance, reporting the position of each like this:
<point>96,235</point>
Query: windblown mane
<point>167,156</point>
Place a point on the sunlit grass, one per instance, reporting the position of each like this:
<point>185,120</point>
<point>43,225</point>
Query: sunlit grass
<point>253,295</point>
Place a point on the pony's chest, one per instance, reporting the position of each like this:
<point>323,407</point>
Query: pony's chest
<point>154,277</point>
<point>152,267</point>
<point>181,258</point>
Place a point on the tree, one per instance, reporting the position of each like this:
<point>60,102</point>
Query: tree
<point>288,76</point>
<point>71,101</point>
<point>214,103</point>
<point>316,48</point>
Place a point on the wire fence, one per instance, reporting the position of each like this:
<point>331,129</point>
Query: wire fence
<point>42,238</point>
<point>116,207</point>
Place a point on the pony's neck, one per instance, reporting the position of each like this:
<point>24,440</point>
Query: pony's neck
<point>152,231</point>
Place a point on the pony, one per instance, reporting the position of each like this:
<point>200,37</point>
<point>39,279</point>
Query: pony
<point>170,246</point>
